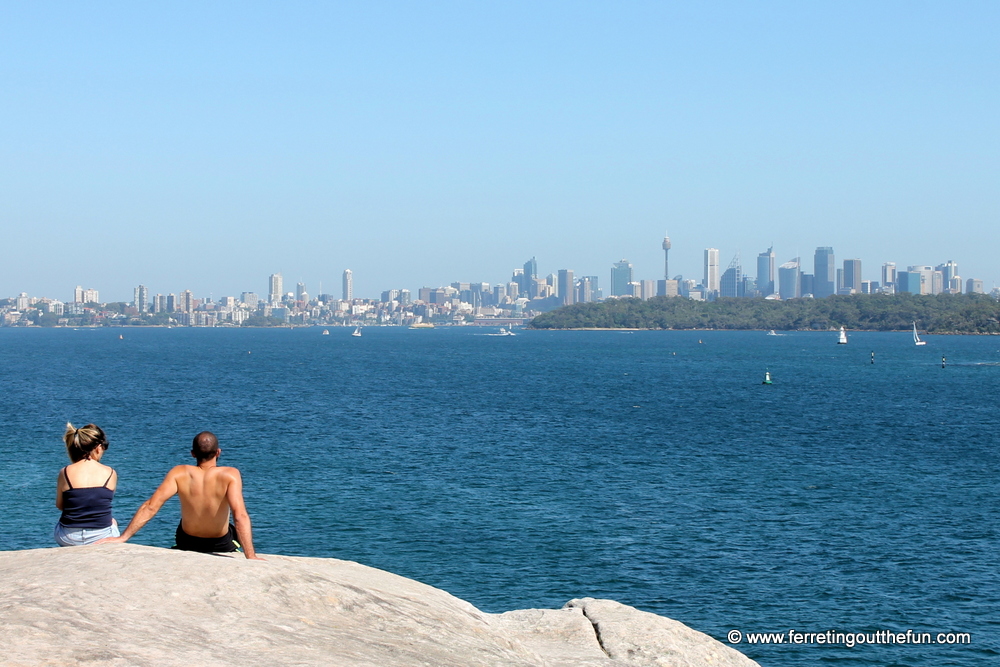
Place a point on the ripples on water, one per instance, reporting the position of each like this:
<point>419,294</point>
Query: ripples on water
<point>524,471</point>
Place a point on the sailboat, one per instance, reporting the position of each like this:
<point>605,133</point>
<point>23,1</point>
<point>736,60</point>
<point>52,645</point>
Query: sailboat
<point>357,332</point>
<point>916,338</point>
<point>326,332</point>
<point>842,340</point>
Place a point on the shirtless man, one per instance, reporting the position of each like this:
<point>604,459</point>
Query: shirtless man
<point>208,493</point>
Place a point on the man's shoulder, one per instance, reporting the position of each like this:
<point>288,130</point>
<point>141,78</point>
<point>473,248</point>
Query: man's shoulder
<point>228,471</point>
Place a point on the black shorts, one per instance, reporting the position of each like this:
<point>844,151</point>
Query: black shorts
<point>207,545</point>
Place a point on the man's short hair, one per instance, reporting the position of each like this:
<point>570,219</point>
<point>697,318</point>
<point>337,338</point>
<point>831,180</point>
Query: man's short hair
<point>205,446</point>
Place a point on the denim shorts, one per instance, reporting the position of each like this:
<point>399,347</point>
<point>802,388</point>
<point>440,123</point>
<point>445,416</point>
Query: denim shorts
<point>78,537</point>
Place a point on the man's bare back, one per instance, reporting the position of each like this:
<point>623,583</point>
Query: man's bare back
<point>209,494</point>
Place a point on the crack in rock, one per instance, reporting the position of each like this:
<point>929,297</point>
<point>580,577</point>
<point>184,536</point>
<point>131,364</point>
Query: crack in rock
<point>597,631</point>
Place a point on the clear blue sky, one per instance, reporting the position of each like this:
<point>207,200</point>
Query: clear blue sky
<point>186,146</point>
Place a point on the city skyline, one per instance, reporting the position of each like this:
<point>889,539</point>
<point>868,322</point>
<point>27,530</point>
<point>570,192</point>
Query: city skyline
<point>789,280</point>
<point>414,144</point>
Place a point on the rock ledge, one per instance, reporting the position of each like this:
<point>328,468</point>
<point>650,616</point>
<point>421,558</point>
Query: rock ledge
<point>131,605</point>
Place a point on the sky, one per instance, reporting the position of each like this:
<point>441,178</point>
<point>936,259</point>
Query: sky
<point>204,146</point>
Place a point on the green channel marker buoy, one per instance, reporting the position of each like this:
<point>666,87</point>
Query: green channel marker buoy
<point>767,378</point>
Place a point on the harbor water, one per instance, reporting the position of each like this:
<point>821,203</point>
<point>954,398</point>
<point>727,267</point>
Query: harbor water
<point>653,468</point>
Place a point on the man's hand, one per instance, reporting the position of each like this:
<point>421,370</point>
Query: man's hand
<point>109,540</point>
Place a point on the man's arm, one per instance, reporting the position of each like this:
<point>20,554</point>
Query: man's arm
<point>234,495</point>
<point>146,511</point>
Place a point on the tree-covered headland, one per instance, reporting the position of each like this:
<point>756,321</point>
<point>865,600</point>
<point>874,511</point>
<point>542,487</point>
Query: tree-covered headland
<point>940,313</point>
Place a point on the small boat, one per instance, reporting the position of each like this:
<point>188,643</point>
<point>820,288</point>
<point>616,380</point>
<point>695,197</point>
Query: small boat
<point>842,339</point>
<point>916,338</point>
<point>503,332</point>
<point>121,337</point>
<point>326,332</point>
<point>422,325</point>
<point>772,332</point>
<point>357,332</point>
<point>767,378</point>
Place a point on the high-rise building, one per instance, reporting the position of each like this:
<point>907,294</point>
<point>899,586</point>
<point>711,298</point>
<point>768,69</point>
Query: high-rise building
<point>274,289</point>
<point>348,286</point>
<point>300,292</point>
<point>824,273</point>
<point>185,302</point>
<point>731,283</point>
<point>949,270</point>
<point>788,280</point>
<point>711,281</point>
<point>668,287</point>
<point>909,282</point>
<point>973,286</point>
<point>621,278</point>
<point>937,282</point>
<point>765,272</point>
<point>531,268</point>
<point>141,301</point>
<point>171,303</point>
<point>666,257</point>
<point>160,303</point>
<point>889,277</point>
<point>852,276</point>
<point>926,277</point>
<point>806,284</point>
<point>250,300</point>
<point>566,287</point>
<point>78,294</point>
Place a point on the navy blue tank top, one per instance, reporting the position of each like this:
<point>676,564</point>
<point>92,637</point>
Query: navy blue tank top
<point>89,507</point>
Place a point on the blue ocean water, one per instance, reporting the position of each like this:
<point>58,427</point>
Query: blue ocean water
<point>653,468</point>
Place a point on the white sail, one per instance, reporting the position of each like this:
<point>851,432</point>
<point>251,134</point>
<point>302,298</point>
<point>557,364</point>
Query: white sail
<point>916,338</point>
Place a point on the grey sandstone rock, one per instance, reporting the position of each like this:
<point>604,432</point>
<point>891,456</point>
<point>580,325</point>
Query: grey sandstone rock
<point>132,605</point>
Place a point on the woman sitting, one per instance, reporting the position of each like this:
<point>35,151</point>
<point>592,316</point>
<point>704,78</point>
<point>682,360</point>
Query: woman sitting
<point>85,489</point>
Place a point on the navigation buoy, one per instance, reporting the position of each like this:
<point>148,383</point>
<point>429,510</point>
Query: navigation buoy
<point>942,362</point>
<point>767,378</point>
<point>873,357</point>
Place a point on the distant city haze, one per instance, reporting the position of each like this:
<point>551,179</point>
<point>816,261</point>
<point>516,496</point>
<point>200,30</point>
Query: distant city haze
<point>204,148</point>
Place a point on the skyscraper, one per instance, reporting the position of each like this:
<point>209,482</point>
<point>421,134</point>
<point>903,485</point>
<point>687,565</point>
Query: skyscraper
<point>274,289</point>
<point>852,275</point>
<point>529,273</point>
<point>185,303</point>
<point>731,283</point>
<point>949,271</point>
<point>566,287</point>
<point>765,272</point>
<point>666,257</point>
<point>621,277</point>
<point>889,277</point>
<point>141,302</point>
<point>788,280</point>
<point>711,281</point>
<point>824,273</point>
<point>348,285</point>
<point>300,292</point>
